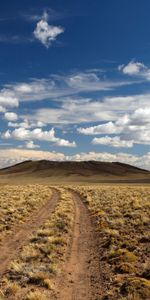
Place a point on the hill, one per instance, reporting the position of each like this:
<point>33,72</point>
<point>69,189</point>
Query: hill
<point>76,171</point>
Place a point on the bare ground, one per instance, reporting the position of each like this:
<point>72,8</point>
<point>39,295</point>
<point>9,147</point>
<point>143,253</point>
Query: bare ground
<point>21,234</point>
<point>81,277</point>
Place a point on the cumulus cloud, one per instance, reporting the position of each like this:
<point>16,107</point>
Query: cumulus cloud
<point>65,143</point>
<point>24,134</point>
<point>12,156</point>
<point>134,128</point>
<point>11,116</point>
<point>134,68</point>
<point>109,128</point>
<point>31,145</point>
<point>113,142</point>
<point>131,111</point>
<point>46,33</point>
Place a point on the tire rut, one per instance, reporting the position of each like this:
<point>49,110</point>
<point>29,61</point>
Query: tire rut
<point>81,274</point>
<point>21,234</point>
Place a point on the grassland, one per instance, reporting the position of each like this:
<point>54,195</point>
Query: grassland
<point>30,276</point>
<point>121,215</point>
<point>17,203</point>
<point>115,218</point>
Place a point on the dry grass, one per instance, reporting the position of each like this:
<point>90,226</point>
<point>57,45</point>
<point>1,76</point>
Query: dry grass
<point>122,218</point>
<point>19,202</point>
<point>36,296</point>
<point>39,262</point>
<point>121,215</point>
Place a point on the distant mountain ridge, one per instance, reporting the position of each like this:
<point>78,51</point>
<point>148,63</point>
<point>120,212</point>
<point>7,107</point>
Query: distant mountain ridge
<point>72,168</point>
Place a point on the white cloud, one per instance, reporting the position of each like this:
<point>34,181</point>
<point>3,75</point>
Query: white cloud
<point>74,111</point>
<point>24,134</point>
<point>15,39</point>
<point>26,124</point>
<point>134,128</point>
<point>131,111</point>
<point>2,109</point>
<point>113,142</point>
<point>109,128</point>
<point>65,143</point>
<point>6,135</point>
<point>141,116</point>
<point>12,156</point>
<point>56,87</point>
<point>31,145</point>
<point>142,161</point>
<point>134,68</point>
<point>8,99</point>
<point>46,33</point>
<point>90,80</point>
<point>81,110</point>
<point>49,14</point>
<point>11,116</point>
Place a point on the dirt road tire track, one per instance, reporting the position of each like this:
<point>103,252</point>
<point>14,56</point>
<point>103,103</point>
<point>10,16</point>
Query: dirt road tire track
<point>21,234</point>
<point>81,273</point>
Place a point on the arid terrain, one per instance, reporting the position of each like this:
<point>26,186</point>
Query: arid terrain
<point>54,172</point>
<point>74,241</point>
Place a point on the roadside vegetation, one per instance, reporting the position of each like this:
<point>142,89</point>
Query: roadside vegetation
<point>122,218</point>
<point>17,203</point>
<point>31,276</point>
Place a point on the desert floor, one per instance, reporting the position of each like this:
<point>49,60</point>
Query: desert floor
<point>74,241</point>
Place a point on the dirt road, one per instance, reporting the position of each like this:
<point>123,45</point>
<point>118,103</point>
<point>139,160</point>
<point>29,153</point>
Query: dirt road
<point>80,278</point>
<point>81,274</point>
<point>21,234</point>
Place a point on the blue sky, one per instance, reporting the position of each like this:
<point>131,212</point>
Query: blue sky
<point>75,81</point>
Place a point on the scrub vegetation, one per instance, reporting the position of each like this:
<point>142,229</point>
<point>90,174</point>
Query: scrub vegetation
<point>17,203</point>
<point>81,227</point>
<point>31,274</point>
<point>121,215</point>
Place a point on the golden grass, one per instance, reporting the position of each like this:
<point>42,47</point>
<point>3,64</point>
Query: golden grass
<point>122,217</point>
<point>39,261</point>
<point>19,202</point>
<point>36,296</point>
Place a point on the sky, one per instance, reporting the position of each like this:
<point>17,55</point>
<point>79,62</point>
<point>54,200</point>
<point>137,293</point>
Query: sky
<point>75,81</point>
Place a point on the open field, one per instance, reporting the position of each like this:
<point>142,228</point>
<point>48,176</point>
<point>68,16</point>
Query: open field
<point>122,220</point>
<point>18,202</point>
<point>75,242</point>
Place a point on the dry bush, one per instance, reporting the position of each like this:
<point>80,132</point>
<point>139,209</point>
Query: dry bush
<point>18,202</point>
<point>122,219</point>
<point>36,296</point>
<point>39,261</point>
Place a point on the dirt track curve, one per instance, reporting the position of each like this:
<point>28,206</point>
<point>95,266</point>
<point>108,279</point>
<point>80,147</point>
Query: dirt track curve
<point>81,275</point>
<point>21,234</point>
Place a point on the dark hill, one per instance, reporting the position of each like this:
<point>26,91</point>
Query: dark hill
<point>45,168</point>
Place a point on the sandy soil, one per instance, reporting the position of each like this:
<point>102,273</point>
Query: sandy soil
<point>81,272</point>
